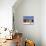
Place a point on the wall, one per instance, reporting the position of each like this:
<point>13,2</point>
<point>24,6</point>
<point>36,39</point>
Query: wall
<point>29,8</point>
<point>6,18</point>
<point>43,22</point>
<point>6,13</point>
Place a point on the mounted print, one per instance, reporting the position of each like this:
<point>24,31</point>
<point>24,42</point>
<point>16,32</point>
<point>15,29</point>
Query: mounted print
<point>28,20</point>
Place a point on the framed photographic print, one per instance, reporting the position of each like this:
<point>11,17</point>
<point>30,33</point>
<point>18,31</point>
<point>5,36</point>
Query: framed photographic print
<point>28,20</point>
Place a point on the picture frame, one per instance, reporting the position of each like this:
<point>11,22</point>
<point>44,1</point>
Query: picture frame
<point>28,20</point>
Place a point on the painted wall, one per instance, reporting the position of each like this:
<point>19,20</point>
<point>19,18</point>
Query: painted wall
<point>29,8</point>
